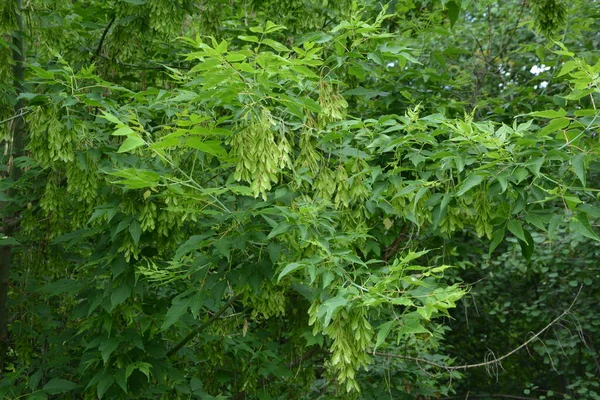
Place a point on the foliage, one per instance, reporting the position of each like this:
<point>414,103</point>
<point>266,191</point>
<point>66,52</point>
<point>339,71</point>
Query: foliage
<point>293,209</point>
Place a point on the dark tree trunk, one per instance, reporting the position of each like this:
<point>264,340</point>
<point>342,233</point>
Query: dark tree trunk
<point>16,150</point>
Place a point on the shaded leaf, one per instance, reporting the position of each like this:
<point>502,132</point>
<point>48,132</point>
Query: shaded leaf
<point>58,386</point>
<point>289,268</point>
<point>578,163</point>
<point>453,12</point>
<point>382,333</point>
<point>179,307</point>
<point>469,183</point>
<point>516,228</point>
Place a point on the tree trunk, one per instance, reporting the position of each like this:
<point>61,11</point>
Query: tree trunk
<point>16,150</point>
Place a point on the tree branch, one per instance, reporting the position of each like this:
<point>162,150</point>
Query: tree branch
<point>487,363</point>
<point>99,48</point>
<point>17,130</point>
<point>511,34</point>
<point>487,396</point>
<point>392,249</point>
<point>199,329</point>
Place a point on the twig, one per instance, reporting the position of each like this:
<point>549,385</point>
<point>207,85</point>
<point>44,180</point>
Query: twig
<point>487,396</point>
<point>21,113</point>
<point>511,34</point>
<point>389,251</point>
<point>199,329</point>
<point>487,363</point>
<point>99,48</point>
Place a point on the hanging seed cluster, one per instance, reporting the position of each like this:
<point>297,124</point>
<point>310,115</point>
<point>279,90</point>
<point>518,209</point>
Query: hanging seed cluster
<point>268,302</point>
<point>260,157</point>
<point>352,336</point>
<point>50,140</point>
<point>550,15</point>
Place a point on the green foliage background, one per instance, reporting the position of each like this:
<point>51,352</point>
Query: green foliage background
<point>301,199</point>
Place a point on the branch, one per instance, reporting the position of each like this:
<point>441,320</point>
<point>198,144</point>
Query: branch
<point>487,396</point>
<point>389,251</point>
<point>10,224</point>
<point>99,48</point>
<point>21,113</point>
<point>491,362</point>
<point>510,36</point>
<point>199,329</point>
<point>315,350</point>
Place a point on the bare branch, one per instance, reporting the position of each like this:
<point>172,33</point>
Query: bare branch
<point>99,48</point>
<point>490,362</point>
<point>199,329</point>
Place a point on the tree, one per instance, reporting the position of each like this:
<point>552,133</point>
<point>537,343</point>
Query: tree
<point>278,210</point>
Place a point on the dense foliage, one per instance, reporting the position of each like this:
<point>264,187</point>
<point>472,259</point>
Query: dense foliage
<point>302,199</point>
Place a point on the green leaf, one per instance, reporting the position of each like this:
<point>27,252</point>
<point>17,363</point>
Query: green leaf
<point>223,246</point>
<point>593,211</point>
<point>329,307</point>
<point>193,243</point>
<point>554,125</point>
<point>275,45</point>
<point>382,333</point>
<point>135,230</point>
<point>212,147</point>
<point>34,379</point>
<point>111,118</point>
<point>310,104</point>
<point>272,27</point>
<point>144,368</point>
<point>123,131</point>
<point>104,384</point>
<point>535,221</point>
<point>235,57</point>
<point>289,268</point>
<point>119,295</point>
<point>578,163</point>
<point>279,229</point>
<point>527,245</point>
<point>61,287</point>
<point>58,386</point>
<point>121,379</point>
<point>553,225</point>
<point>581,225</point>
<point>303,71</point>
<point>137,178</point>
<point>179,307</point>
<point>366,93</point>
<point>579,93</point>
<point>411,326</point>
<point>107,347</point>
<point>469,183</point>
<point>9,241</point>
<point>132,142</point>
<point>516,228</point>
<point>568,67</point>
<point>253,39</point>
<point>549,113</point>
<point>453,12</point>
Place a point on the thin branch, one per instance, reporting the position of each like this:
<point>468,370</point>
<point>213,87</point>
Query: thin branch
<point>315,350</point>
<point>487,396</point>
<point>21,113</point>
<point>389,251</point>
<point>99,48</point>
<point>491,362</point>
<point>10,224</point>
<point>199,329</point>
<point>511,34</point>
